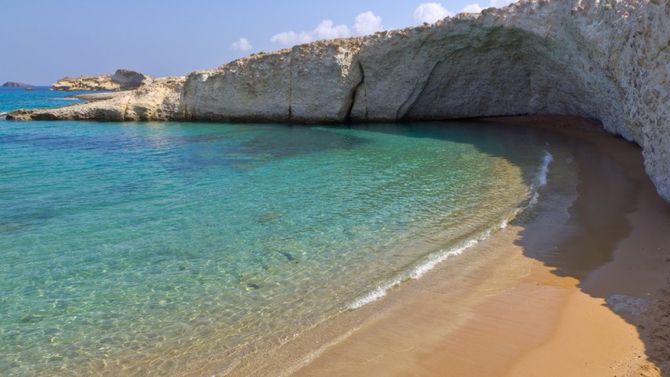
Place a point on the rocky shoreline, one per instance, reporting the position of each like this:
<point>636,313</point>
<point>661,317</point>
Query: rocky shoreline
<point>601,60</point>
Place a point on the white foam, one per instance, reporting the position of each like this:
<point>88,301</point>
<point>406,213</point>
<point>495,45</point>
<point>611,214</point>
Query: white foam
<point>375,294</point>
<point>544,169</point>
<point>415,273</point>
<point>541,178</point>
<point>436,258</point>
<point>439,257</point>
<point>430,262</point>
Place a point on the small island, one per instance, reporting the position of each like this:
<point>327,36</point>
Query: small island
<point>14,84</point>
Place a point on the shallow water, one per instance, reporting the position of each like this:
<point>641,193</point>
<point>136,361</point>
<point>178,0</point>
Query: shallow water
<point>152,246</point>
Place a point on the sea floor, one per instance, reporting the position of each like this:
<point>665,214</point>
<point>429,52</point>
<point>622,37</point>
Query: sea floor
<point>175,248</point>
<point>577,286</point>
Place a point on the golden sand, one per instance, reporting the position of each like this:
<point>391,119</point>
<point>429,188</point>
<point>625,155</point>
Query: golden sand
<point>577,288</point>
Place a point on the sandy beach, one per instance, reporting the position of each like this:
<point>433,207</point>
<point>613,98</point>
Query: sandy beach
<point>577,286</point>
<point>348,189</point>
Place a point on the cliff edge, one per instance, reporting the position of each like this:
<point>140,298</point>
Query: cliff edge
<point>600,59</point>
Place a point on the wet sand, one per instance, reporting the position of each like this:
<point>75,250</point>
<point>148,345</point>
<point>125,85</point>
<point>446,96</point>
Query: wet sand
<point>577,286</point>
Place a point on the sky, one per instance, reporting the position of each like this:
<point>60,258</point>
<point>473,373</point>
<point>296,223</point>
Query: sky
<point>44,40</point>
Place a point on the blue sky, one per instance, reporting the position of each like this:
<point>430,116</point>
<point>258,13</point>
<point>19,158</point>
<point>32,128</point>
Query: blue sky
<point>43,40</point>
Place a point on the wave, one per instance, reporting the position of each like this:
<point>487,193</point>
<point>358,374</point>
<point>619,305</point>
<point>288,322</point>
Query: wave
<point>544,169</point>
<point>433,259</point>
<point>420,269</point>
<point>375,294</point>
<point>540,179</point>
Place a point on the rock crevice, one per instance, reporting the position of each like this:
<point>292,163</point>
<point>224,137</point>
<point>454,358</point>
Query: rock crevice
<point>354,92</point>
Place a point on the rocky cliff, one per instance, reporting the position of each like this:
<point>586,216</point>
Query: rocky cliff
<point>122,79</point>
<point>602,59</point>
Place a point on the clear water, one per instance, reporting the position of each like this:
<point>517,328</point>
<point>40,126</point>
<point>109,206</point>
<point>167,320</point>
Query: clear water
<point>148,247</point>
<point>39,97</point>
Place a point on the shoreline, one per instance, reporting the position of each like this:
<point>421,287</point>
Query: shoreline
<point>433,259</point>
<point>572,286</point>
<point>519,285</point>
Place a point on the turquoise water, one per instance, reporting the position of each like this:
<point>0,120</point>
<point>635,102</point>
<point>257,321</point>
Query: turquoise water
<point>148,247</point>
<point>39,97</point>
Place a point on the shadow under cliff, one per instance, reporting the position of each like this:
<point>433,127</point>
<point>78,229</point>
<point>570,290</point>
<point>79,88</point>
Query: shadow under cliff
<point>611,187</point>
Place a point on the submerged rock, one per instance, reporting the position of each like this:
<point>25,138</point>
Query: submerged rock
<point>605,60</point>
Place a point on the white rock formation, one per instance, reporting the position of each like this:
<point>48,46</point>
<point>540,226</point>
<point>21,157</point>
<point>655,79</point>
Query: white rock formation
<point>122,79</point>
<point>602,59</point>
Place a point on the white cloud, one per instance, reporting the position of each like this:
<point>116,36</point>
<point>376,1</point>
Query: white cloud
<point>290,38</point>
<point>367,23</point>
<point>241,44</point>
<point>364,23</point>
<point>501,3</point>
<point>430,12</point>
<point>325,30</point>
<point>472,8</point>
<point>476,8</point>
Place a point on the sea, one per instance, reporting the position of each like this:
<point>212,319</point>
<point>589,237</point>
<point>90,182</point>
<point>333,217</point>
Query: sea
<point>145,248</point>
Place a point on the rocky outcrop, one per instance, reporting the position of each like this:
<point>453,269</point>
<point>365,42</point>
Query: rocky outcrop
<point>160,100</point>
<point>602,59</point>
<point>127,79</point>
<point>13,84</point>
<point>281,86</point>
<point>122,79</point>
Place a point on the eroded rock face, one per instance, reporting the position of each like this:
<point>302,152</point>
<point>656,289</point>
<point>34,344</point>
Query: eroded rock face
<point>260,82</point>
<point>602,59</point>
<point>122,79</point>
<point>127,79</point>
